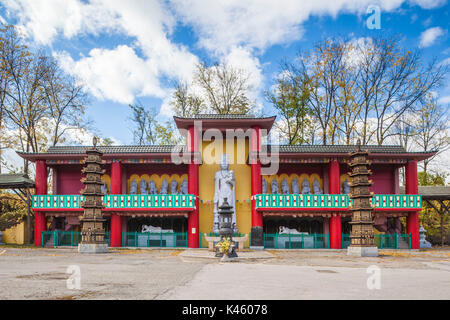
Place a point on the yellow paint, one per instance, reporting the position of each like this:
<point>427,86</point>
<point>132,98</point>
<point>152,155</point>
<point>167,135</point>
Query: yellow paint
<point>107,179</point>
<point>343,177</point>
<point>211,155</point>
<point>15,234</point>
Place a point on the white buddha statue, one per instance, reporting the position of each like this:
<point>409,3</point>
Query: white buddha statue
<point>224,188</point>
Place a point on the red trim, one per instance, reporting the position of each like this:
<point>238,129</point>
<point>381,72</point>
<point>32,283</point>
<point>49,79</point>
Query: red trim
<point>256,182</point>
<point>412,187</point>
<point>193,175</point>
<point>118,209</point>
<point>333,209</point>
<point>40,221</point>
<point>223,124</point>
<point>334,187</point>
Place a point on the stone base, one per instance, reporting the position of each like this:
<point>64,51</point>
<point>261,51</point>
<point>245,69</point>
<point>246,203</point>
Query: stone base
<point>256,248</point>
<point>257,237</point>
<point>226,258</point>
<point>362,251</point>
<point>93,248</point>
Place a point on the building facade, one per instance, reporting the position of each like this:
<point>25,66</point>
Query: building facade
<point>172,189</point>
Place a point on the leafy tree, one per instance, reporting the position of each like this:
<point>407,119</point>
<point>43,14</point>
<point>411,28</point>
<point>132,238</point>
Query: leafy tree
<point>434,215</point>
<point>12,210</point>
<point>289,98</point>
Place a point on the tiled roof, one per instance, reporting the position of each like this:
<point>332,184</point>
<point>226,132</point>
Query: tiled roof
<point>338,149</point>
<point>15,181</point>
<point>432,192</point>
<point>111,149</point>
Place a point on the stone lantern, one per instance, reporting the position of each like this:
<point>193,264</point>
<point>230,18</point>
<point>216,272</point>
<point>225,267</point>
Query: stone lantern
<point>226,228</point>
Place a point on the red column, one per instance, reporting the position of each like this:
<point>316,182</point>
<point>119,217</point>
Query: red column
<point>257,219</point>
<point>116,220</point>
<point>334,177</point>
<point>412,187</point>
<point>257,235</point>
<point>193,219</point>
<point>40,221</point>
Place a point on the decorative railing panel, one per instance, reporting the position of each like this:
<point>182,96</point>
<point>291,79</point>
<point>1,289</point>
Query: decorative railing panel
<point>335,201</point>
<point>125,201</point>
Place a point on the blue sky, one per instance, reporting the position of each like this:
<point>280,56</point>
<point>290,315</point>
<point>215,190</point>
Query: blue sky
<point>128,50</point>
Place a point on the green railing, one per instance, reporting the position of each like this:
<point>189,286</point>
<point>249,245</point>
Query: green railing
<point>385,241</point>
<point>155,239</point>
<point>296,241</point>
<point>58,238</point>
<point>335,201</point>
<point>123,201</point>
<point>322,241</point>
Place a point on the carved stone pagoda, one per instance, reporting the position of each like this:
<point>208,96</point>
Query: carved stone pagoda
<point>361,237</point>
<point>92,232</point>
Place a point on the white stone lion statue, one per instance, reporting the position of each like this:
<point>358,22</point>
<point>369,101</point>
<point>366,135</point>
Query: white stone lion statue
<point>286,230</point>
<point>151,229</point>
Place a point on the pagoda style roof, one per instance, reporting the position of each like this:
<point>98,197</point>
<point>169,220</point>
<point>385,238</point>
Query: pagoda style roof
<point>225,121</point>
<point>339,149</point>
<point>285,151</point>
<point>15,181</point>
<point>109,152</point>
<point>345,150</point>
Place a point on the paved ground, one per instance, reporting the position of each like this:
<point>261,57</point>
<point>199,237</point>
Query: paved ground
<point>193,274</point>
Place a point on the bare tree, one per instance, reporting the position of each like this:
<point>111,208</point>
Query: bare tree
<point>186,104</point>
<point>65,100</point>
<point>224,87</point>
<point>391,81</point>
<point>432,125</point>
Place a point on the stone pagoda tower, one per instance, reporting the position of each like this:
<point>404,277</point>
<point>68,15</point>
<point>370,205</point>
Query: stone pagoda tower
<point>92,233</point>
<point>362,237</point>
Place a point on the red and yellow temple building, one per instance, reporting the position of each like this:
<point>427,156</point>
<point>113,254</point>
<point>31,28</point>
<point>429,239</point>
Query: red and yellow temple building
<point>324,210</point>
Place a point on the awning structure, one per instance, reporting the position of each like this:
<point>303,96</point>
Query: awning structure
<point>440,194</point>
<point>15,181</point>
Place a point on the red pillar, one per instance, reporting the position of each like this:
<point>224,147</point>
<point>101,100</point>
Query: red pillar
<point>257,236</point>
<point>334,177</point>
<point>116,220</point>
<point>412,187</point>
<point>257,219</point>
<point>193,219</point>
<point>40,221</point>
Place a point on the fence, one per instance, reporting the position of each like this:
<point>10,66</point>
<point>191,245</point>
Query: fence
<point>58,238</point>
<point>385,241</point>
<point>155,239</point>
<point>296,241</point>
<point>322,241</point>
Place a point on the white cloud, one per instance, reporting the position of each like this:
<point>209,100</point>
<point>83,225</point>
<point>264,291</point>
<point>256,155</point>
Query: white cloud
<point>227,29</point>
<point>428,4</point>
<point>445,62</point>
<point>117,74</point>
<point>259,24</point>
<point>444,100</point>
<point>429,36</point>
